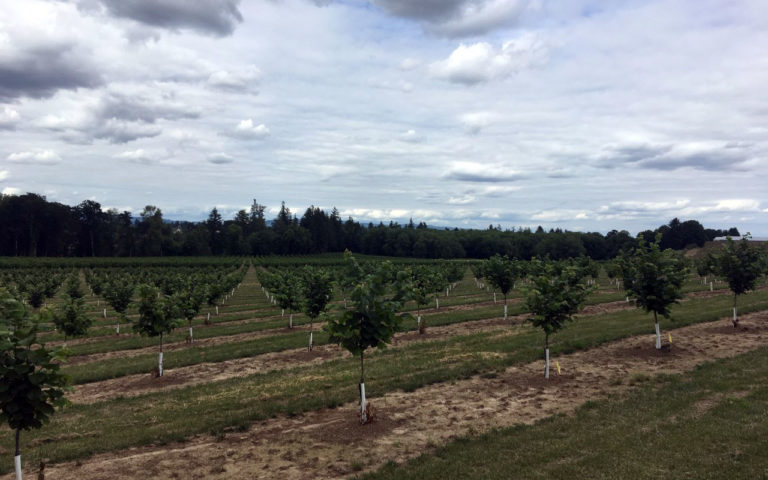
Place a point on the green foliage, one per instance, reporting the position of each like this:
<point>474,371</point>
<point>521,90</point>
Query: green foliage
<point>317,289</point>
<point>118,293</point>
<point>157,315</point>
<point>31,385</point>
<point>72,286</point>
<point>71,319</point>
<point>740,264</point>
<point>554,295</point>
<point>372,319</point>
<point>501,272</point>
<point>653,277</point>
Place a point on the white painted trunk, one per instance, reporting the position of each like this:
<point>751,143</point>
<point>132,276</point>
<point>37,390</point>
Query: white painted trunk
<point>160,364</point>
<point>217,310</point>
<point>505,312</point>
<point>290,321</point>
<point>494,298</point>
<point>117,329</point>
<point>17,464</point>
<point>209,316</point>
<point>310,341</point>
<point>735,314</point>
<point>546,357</point>
<point>437,303</point>
<point>711,287</point>
<point>105,313</point>
<point>191,339</point>
<point>282,312</point>
<point>658,337</point>
<point>627,298</point>
<point>418,321</point>
<point>363,416</point>
<point>446,291</point>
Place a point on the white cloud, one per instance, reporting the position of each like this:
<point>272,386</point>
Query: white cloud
<point>9,118</point>
<point>242,80</point>
<point>11,191</point>
<point>560,215</point>
<point>136,156</point>
<point>3,175</point>
<point>482,62</point>
<point>411,136</point>
<point>476,121</point>
<point>38,157</point>
<point>247,130</point>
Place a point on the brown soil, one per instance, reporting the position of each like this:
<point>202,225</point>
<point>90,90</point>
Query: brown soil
<point>328,444</point>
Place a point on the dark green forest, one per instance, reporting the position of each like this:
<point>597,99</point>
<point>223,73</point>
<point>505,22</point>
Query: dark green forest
<point>30,225</point>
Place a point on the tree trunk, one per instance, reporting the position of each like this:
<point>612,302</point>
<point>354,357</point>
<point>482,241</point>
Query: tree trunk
<point>735,312</point>
<point>505,306</point>
<point>546,355</point>
<point>658,333</point>
<point>191,337</point>
<point>290,321</point>
<point>160,358</point>
<point>363,415</point>
<point>310,333</point>
<point>17,457</point>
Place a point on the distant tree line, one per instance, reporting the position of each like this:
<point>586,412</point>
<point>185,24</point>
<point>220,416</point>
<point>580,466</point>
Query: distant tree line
<point>32,226</point>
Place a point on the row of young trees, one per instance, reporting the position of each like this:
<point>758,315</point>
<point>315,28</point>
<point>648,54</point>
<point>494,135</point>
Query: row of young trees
<point>32,226</point>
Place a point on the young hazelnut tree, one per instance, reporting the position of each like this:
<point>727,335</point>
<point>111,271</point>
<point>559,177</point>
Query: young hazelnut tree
<point>31,384</point>
<point>553,297</point>
<point>317,289</point>
<point>372,320</point>
<point>741,265</point>
<point>654,278</point>
<point>501,272</point>
<point>157,316</point>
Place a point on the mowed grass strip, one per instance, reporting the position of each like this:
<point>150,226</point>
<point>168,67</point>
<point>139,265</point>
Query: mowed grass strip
<point>711,423</point>
<point>117,367</point>
<point>160,417</point>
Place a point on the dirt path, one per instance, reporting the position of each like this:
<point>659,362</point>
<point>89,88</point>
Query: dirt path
<point>329,444</point>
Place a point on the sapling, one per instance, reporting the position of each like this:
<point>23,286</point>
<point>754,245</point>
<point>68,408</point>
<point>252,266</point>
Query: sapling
<point>118,294</point>
<point>654,278</point>
<point>71,319</point>
<point>316,290</point>
<point>157,316</point>
<point>372,319</point>
<point>501,272</point>
<point>741,265</point>
<point>31,383</point>
<point>553,296</point>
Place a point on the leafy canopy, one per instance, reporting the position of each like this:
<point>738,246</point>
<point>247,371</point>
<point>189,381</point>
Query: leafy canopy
<point>740,263</point>
<point>372,319</point>
<point>554,295</point>
<point>31,384</point>
<point>653,277</point>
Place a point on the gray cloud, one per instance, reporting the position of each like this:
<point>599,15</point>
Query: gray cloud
<point>457,18</point>
<point>727,157</point>
<point>142,109</point>
<point>39,72</point>
<point>214,17</point>
<point>220,158</point>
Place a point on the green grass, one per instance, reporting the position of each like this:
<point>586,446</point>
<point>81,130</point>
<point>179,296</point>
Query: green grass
<point>237,402</point>
<point>712,423</point>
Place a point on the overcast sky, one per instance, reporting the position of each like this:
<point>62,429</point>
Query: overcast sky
<point>585,115</point>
